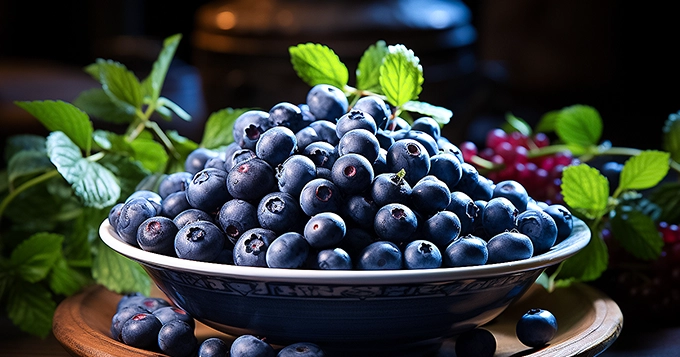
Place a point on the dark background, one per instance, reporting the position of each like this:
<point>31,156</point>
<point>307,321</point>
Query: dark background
<point>525,57</point>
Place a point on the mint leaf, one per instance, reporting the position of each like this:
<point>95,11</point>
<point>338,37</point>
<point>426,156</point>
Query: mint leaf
<point>667,197</point>
<point>317,64</point>
<point>150,153</point>
<point>219,127</point>
<point>35,256</point>
<point>154,82</point>
<point>671,135</point>
<point>401,75</point>
<point>579,125</point>
<point>546,124</point>
<point>119,273</point>
<point>585,189</point>
<point>644,170</point>
<point>514,123</point>
<point>128,172</point>
<point>28,163</point>
<point>439,114</point>
<point>368,70</point>
<point>121,85</point>
<point>182,144</point>
<point>637,233</point>
<point>96,103</point>
<point>64,117</point>
<point>588,264</point>
<point>94,184</point>
<point>110,141</point>
<point>30,307</point>
<point>65,280</point>
<point>23,142</point>
<point>167,103</point>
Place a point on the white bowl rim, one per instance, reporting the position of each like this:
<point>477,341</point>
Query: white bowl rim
<point>571,245</point>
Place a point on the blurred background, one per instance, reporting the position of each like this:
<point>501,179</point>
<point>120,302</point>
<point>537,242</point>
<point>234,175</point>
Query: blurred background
<point>481,59</point>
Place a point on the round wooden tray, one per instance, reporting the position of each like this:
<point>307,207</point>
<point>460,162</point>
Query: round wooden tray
<point>588,323</point>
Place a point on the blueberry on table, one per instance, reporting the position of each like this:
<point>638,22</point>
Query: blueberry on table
<point>176,338</point>
<point>170,313</point>
<point>327,102</point>
<point>213,347</point>
<point>289,250</point>
<point>334,259</point>
<point>509,246</point>
<point>301,349</point>
<point>421,254</point>
<point>157,235</point>
<point>477,342</point>
<point>121,316</point>
<point>540,227</point>
<point>201,240</point>
<point>466,250</point>
<point>352,173</point>
<point>536,327</point>
<point>141,331</point>
<point>251,247</point>
<point>132,298</point>
<point>325,230</point>
<point>395,222</point>
<point>251,346</point>
<point>380,255</point>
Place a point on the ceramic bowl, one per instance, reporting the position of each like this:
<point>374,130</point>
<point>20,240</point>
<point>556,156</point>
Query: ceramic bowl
<point>346,312</point>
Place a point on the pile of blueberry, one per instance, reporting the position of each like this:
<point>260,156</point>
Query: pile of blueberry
<point>324,186</point>
<point>153,324</point>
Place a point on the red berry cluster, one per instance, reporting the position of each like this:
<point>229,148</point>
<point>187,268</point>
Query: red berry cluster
<point>509,155</point>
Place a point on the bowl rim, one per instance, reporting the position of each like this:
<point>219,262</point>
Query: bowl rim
<point>579,238</point>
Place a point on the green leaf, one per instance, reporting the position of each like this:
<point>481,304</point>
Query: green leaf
<point>30,307</point>
<point>584,188</point>
<point>316,64</point>
<point>96,103</point>
<point>35,256</point>
<point>517,124</point>
<point>64,117</point>
<point>154,82</point>
<point>23,142</point>
<point>182,144</point>
<point>219,127</point>
<point>128,171</point>
<point>588,264</point>
<point>65,280</point>
<point>671,136</point>
<point>94,184</point>
<point>121,85</point>
<point>368,70</point>
<point>440,114</point>
<point>637,233</point>
<point>150,153</point>
<point>165,102</point>
<point>401,75</point>
<point>546,124</point>
<point>112,142</point>
<point>28,163</point>
<point>667,196</point>
<point>119,273</point>
<point>644,170</point>
<point>579,124</point>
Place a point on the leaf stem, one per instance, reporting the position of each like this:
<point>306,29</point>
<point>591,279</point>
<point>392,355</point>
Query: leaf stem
<point>164,138</point>
<point>25,186</point>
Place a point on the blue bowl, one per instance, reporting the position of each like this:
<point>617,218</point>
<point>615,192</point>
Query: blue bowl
<point>346,312</point>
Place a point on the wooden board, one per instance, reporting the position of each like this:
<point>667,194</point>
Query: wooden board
<point>588,323</point>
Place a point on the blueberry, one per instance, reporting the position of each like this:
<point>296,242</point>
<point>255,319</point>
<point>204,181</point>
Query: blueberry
<point>324,173</point>
<point>395,222</point>
<point>477,342</point>
<point>174,204</point>
<point>286,114</point>
<point>218,162</point>
<point>441,228</point>
<point>536,327</point>
<point>356,239</point>
<point>294,173</point>
<point>251,346</point>
<point>430,195</point>
<point>279,212</point>
<point>201,240</point>
<point>237,216</point>
<point>170,313</point>
<point>477,225</point>
<point>360,209</point>
<point>509,246</point>
<point>151,196</point>
<point>446,167</point>
<point>321,153</point>
<point>397,124</point>
<point>251,247</point>
<point>325,230</point>
<point>141,331</point>
<point>411,156</point>
<point>376,107</point>
<point>563,219</point>
<point>114,214</point>
<point>152,304</point>
<point>612,171</point>
<point>359,141</point>
<point>320,195</point>
<point>391,188</point>
<point>289,250</point>
<point>499,215</point>
<point>384,138</point>
<point>276,145</point>
<point>197,158</point>
<point>334,259</point>
<point>429,143</point>
<point>484,189</point>
<point>191,215</point>
<point>466,210</point>
<point>466,250</point>
<point>380,255</point>
<point>174,182</point>
<point>249,126</point>
<point>352,173</point>
<point>213,347</point>
<point>229,152</point>
<point>301,349</point>
<point>327,102</point>
<point>132,214</point>
<point>355,119</point>
<point>306,136</point>
<point>326,131</point>
<point>427,125</point>
<point>251,180</point>
<point>240,156</point>
<point>380,163</point>
<point>207,191</point>
<point>540,227</point>
<point>446,146</point>
<point>121,316</point>
<point>176,338</point>
<point>469,179</point>
<point>422,254</point>
<point>130,299</point>
<point>514,191</point>
<point>157,235</point>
